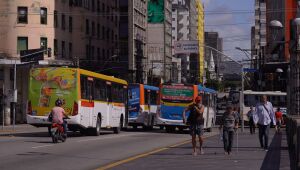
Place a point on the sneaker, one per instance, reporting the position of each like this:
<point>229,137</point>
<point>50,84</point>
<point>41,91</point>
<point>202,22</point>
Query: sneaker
<point>201,151</point>
<point>194,154</point>
<point>225,153</point>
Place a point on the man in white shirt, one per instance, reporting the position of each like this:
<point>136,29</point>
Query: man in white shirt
<point>263,116</point>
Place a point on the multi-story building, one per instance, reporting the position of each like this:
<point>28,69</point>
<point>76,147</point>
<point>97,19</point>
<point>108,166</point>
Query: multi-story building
<point>84,31</point>
<point>272,43</point>
<point>184,28</point>
<point>159,41</point>
<point>200,8</point>
<point>213,40</point>
<point>133,39</point>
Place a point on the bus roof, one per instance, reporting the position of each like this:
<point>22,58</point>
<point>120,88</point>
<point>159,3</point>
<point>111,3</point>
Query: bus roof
<point>269,93</point>
<point>102,76</point>
<point>147,87</point>
<point>205,89</point>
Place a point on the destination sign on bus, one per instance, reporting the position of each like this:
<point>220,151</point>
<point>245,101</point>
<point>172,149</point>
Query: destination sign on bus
<point>177,93</point>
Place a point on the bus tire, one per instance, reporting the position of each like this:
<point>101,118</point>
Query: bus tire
<point>117,130</point>
<point>96,131</point>
<point>209,129</point>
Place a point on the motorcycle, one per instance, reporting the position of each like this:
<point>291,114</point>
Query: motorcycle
<point>57,132</point>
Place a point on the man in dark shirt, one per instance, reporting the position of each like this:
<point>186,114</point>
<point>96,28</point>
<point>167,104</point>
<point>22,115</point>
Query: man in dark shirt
<point>229,124</point>
<point>196,122</point>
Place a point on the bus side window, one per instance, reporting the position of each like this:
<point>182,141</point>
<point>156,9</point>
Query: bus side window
<point>83,87</point>
<point>100,90</point>
<point>153,98</point>
<point>108,93</point>
<point>90,90</point>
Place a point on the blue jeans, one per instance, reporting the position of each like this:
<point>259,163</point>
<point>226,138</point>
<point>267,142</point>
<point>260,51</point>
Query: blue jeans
<point>65,125</point>
<point>228,139</point>
<point>263,135</point>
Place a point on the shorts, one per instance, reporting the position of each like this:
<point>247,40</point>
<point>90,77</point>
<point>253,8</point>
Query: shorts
<point>278,123</point>
<point>196,129</point>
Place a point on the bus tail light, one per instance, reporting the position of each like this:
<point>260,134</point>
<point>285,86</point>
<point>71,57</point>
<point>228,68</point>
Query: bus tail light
<point>75,109</point>
<point>29,108</point>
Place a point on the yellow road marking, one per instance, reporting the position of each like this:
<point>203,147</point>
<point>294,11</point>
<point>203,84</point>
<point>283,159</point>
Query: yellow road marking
<point>111,165</point>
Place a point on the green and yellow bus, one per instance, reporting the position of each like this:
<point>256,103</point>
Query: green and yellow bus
<point>92,101</point>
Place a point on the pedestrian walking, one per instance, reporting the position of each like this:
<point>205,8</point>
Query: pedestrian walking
<point>279,119</point>
<point>196,121</point>
<point>229,123</point>
<point>251,122</point>
<point>264,115</point>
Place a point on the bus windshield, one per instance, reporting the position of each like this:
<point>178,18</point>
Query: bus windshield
<point>47,85</point>
<point>253,99</point>
<point>177,94</point>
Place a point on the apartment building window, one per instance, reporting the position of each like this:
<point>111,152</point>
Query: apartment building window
<point>98,31</point>
<point>70,50</point>
<point>22,44</point>
<point>107,34</point>
<point>70,24</point>
<point>44,43</point>
<point>103,7</point>
<point>55,19</point>
<point>63,21</point>
<point>87,51</point>
<point>98,54</point>
<point>93,28</point>
<point>43,14</point>
<point>93,5</point>
<point>63,49</point>
<point>22,15</point>
<point>98,6</point>
<point>107,12</point>
<point>55,44</point>
<point>87,27</point>
<point>92,53</point>
<point>103,32</point>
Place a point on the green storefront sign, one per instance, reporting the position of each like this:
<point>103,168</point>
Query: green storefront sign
<point>155,11</point>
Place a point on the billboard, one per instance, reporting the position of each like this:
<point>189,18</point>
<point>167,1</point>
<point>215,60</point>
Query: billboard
<point>186,47</point>
<point>155,11</point>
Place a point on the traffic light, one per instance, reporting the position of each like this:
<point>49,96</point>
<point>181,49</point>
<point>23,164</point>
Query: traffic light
<point>49,52</point>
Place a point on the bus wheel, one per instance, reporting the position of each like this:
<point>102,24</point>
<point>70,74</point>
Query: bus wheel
<point>118,129</point>
<point>209,129</point>
<point>98,127</point>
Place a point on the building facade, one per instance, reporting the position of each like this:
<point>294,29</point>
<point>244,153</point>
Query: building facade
<point>83,32</point>
<point>133,40</point>
<point>159,60</point>
<point>213,40</point>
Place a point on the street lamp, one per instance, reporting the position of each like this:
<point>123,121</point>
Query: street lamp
<point>276,26</point>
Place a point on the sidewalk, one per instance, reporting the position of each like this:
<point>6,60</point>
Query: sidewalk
<point>20,128</point>
<point>248,156</point>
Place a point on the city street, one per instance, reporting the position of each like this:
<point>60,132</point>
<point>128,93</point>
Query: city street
<point>36,150</point>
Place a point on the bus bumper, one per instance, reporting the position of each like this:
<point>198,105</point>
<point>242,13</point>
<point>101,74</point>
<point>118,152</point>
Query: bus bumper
<point>167,122</point>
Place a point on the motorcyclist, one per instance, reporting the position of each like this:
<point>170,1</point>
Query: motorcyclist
<point>58,115</point>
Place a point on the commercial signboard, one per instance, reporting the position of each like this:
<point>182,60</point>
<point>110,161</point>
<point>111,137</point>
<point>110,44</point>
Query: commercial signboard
<point>186,47</point>
<point>156,11</point>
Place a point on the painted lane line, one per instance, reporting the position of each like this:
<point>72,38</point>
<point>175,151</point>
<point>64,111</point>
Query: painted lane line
<point>110,137</point>
<point>117,163</point>
<point>42,146</point>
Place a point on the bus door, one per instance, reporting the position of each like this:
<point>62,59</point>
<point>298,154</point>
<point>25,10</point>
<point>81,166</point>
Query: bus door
<point>87,104</point>
<point>109,104</point>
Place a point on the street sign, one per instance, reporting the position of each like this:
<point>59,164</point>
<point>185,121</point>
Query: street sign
<point>186,47</point>
<point>249,70</point>
<point>32,55</point>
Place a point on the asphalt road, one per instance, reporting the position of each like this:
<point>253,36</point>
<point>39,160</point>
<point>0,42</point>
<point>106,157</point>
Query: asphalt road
<point>36,150</point>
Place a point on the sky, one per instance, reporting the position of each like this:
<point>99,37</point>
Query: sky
<point>232,19</point>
